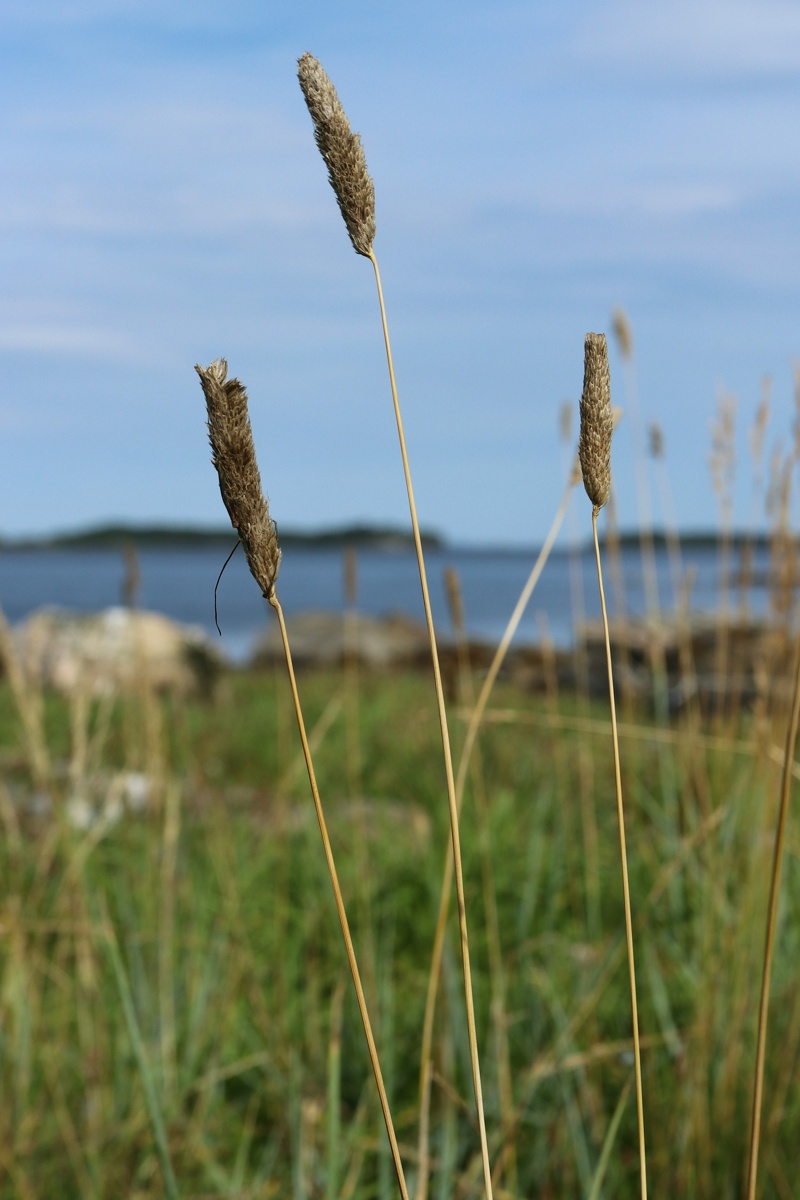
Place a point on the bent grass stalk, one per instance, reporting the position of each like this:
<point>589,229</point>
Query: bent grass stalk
<point>505,1164</point>
<point>343,155</point>
<point>233,454</point>
<point>772,919</point>
<point>473,727</point>
<point>595,457</point>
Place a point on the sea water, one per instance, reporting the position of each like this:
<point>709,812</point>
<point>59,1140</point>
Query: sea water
<point>179,582</point>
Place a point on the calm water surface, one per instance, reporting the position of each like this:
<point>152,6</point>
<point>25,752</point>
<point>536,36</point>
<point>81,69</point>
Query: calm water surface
<point>180,584</point>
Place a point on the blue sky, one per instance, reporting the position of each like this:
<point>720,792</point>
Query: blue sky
<point>162,203</point>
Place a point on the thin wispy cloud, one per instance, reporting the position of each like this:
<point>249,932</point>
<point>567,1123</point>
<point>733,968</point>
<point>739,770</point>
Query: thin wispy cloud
<point>696,39</point>
<point>81,341</point>
<point>201,14</point>
<point>142,169</point>
<point>188,211</point>
<point>667,200</point>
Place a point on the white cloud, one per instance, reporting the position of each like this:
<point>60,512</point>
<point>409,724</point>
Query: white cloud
<point>66,13</point>
<point>696,38</point>
<point>72,340</point>
<point>660,201</point>
<point>192,211</point>
<point>212,129</point>
<point>158,169</point>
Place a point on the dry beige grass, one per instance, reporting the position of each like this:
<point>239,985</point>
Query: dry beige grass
<point>597,426</point>
<point>234,457</point>
<point>347,172</point>
<point>343,154</point>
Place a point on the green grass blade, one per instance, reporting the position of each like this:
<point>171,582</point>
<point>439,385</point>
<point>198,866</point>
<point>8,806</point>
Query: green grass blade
<point>608,1142</point>
<point>137,1044</point>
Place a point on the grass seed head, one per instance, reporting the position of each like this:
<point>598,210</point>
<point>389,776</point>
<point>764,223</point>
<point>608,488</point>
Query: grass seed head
<point>656,435</point>
<point>622,332</point>
<point>597,422</point>
<point>342,152</point>
<point>234,456</point>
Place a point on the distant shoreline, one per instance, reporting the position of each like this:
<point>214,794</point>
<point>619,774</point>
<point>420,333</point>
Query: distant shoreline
<point>117,536</point>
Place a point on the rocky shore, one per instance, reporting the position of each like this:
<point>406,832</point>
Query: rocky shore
<point>696,659</point>
<point>116,650</point>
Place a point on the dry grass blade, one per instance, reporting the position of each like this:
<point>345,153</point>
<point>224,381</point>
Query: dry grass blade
<point>780,837</point>
<point>476,714</point>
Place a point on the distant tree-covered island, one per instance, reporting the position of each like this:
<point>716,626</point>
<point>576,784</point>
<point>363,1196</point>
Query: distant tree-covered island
<point>380,537</point>
<point>103,537</point>
<point>690,539</point>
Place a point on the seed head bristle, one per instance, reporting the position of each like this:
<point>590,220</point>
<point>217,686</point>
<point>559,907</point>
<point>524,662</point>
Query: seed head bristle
<point>722,456</point>
<point>622,332</point>
<point>343,154</point>
<point>597,422</point>
<point>455,597</point>
<point>234,456</point>
<point>576,474</point>
<point>756,434</point>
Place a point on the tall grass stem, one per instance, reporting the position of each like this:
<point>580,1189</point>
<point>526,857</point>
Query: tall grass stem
<point>637,1063</point>
<point>505,1164</point>
<point>448,759</point>
<point>337,893</point>
<point>475,718</point>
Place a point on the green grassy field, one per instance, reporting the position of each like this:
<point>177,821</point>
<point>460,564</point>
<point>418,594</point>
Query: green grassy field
<point>174,996</point>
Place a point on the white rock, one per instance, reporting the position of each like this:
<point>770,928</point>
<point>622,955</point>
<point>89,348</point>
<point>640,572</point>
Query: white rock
<point>115,650</point>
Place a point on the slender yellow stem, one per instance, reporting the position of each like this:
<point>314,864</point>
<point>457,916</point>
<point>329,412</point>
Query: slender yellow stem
<point>448,760</point>
<point>476,716</point>
<point>337,893</point>
<point>505,1164</point>
<point>772,918</point>
<point>637,1062</point>
<point>474,724</point>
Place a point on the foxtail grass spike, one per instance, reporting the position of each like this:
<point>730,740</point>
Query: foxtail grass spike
<point>343,154</point>
<point>597,422</point>
<point>234,456</point>
<point>594,451</point>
